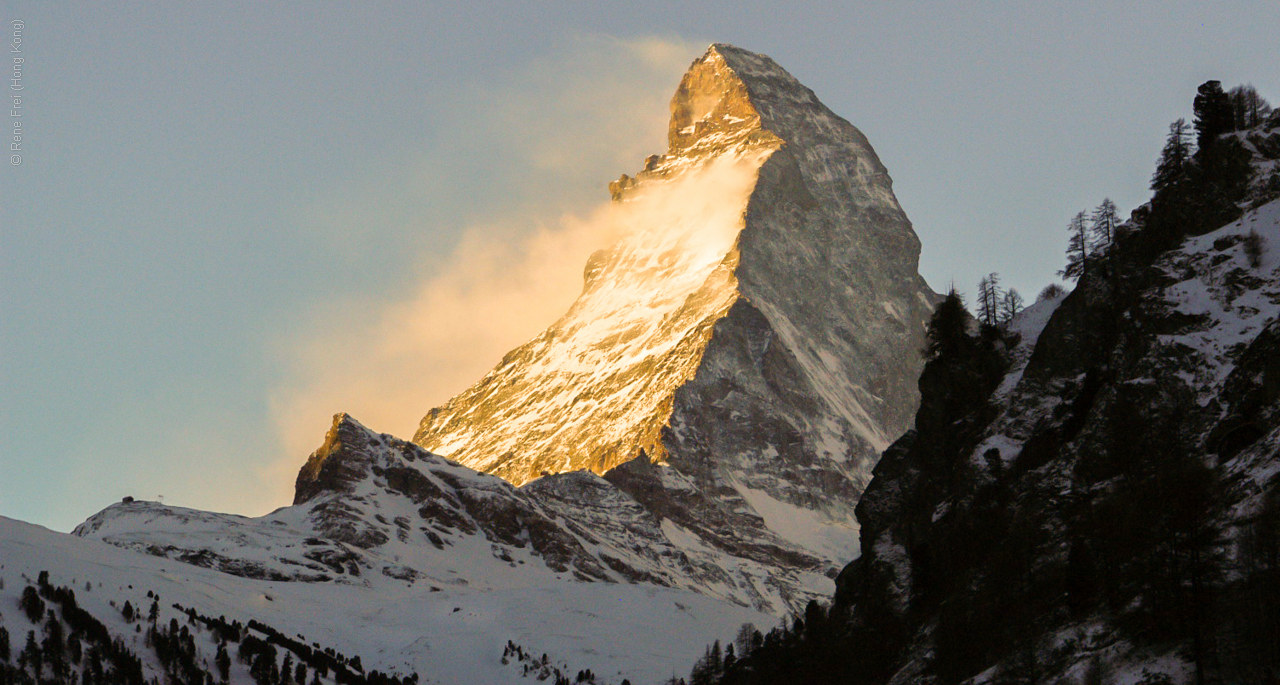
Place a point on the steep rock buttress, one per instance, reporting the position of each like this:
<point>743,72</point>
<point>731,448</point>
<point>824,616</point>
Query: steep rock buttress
<point>755,334</point>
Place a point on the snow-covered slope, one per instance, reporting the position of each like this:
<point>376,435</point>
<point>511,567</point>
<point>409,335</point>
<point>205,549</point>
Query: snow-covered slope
<point>370,507</point>
<point>449,632</point>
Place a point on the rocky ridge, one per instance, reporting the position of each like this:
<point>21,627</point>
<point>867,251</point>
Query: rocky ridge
<point>1093,494</point>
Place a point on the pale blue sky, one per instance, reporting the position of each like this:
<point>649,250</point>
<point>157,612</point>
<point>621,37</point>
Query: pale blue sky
<point>219,201</point>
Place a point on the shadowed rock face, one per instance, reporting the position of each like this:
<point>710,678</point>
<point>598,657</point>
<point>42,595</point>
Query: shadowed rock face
<point>761,347</point>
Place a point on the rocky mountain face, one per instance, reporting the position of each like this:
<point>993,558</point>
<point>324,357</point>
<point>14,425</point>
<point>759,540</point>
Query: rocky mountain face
<point>697,428</point>
<point>735,368</point>
<point>1092,495</point>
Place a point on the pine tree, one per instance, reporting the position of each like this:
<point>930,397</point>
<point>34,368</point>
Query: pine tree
<point>31,604</point>
<point>4,644</point>
<point>30,654</point>
<point>1010,305</point>
<point>1249,108</point>
<point>1077,248</point>
<point>53,646</point>
<point>946,332</point>
<point>989,297</point>
<point>74,648</point>
<point>743,639</point>
<point>1175,157</point>
<point>1214,114</point>
<point>223,662</point>
<point>1051,292</point>
<point>1253,248</point>
<point>1102,226</point>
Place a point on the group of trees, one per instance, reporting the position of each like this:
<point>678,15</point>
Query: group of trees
<point>800,649</point>
<point>543,669</point>
<point>947,330</point>
<point>1199,186</point>
<point>1145,547</point>
<point>1201,176</point>
<point>267,667</point>
<point>997,306</point>
<point>78,648</point>
<point>1218,112</point>
<point>1092,236</point>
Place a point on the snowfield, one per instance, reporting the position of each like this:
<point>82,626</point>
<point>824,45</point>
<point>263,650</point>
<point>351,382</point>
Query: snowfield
<point>450,635</point>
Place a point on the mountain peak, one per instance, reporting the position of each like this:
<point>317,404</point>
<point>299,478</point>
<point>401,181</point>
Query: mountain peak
<point>755,330</point>
<point>712,105</point>
<point>335,464</point>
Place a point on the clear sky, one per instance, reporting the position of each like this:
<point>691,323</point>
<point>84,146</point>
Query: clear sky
<point>232,220</point>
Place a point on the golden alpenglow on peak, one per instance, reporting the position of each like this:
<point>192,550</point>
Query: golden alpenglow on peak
<point>711,103</point>
<point>755,332</point>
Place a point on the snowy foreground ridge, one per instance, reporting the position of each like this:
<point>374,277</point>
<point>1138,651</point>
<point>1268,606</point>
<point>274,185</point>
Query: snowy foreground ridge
<point>679,454</point>
<point>447,633</point>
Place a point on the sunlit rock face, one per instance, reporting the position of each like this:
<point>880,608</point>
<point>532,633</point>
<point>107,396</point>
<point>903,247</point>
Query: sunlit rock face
<point>755,334</point>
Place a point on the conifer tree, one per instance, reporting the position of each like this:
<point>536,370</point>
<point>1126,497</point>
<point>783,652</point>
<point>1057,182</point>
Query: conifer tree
<point>1102,226</point>
<point>743,640</point>
<point>31,604</point>
<point>1250,108</point>
<point>989,297</point>
<point>946,334</point>
<point>30,655</point>
<point>1010,305</point>
<point>1253,248</point>
<point>223,661</point>
<point>1077,248</point>
<point>53,645</point>
<point>1214,114</point>
<point>1171,168</point>
<point>1051,292</point>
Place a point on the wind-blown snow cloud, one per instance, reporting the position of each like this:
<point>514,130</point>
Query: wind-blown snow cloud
<point>595,111</point>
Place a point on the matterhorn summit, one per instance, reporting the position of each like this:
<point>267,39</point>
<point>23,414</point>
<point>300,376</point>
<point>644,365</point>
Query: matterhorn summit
<point>755,335</point>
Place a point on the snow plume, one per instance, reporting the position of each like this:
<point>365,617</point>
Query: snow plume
<point>511,273</point>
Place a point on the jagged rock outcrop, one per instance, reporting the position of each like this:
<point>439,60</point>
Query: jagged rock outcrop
<point>370,505</point>
<point>762,351</point>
